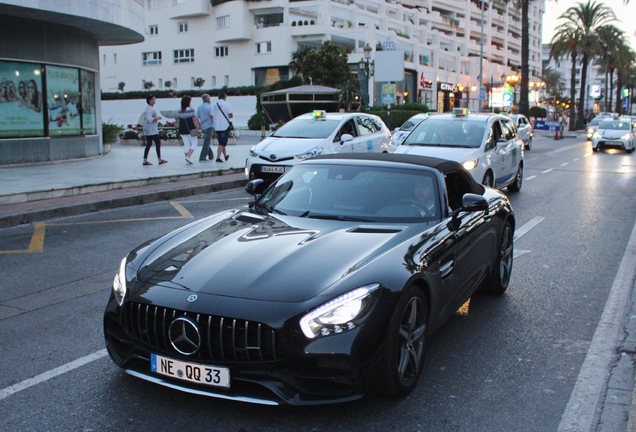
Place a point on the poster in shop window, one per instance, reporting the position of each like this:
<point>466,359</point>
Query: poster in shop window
<point>63,98</point>
<point>21,109</point>
<point>88,102</point>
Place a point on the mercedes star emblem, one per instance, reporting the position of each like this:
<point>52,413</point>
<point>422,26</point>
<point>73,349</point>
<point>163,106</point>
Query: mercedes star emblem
<point>184,335</point>
<point>192,298</point>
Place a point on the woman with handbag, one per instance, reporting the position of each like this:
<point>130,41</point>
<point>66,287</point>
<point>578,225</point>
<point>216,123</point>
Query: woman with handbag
<point>188,128</point>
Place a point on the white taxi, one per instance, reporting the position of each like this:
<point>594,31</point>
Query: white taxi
<point>313,134</point>
<point>487,145</point>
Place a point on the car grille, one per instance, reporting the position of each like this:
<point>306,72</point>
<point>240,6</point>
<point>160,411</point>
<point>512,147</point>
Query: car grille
<point>222,339</point>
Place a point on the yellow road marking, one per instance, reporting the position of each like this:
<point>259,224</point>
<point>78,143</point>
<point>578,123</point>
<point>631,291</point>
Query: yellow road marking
<point>36,245</point>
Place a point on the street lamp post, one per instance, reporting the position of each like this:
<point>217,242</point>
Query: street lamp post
<point>367,66</point>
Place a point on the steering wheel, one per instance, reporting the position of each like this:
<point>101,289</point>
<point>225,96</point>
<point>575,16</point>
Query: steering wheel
<point>417,205</point>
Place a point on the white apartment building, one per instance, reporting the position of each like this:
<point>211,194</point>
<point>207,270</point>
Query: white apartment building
<point>243,43</point>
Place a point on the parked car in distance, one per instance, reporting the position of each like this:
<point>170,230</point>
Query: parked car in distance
<point>324,289</point>
<point>486,144</point>
<point>313,134</point>
<point>593,126</point>
<point>400,133</point>
<point>615,133</point>
<point>524,129</point>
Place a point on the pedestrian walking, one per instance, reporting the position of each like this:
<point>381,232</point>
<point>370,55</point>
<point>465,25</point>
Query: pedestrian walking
<point>151,130</point>
<point>204,114</point>
<point>222,113</point>
<point>188,128</point>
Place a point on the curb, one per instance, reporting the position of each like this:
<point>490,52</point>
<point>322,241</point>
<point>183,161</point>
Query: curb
<point>37,211</point>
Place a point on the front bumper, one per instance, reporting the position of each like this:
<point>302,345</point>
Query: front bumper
<point>287,371</point>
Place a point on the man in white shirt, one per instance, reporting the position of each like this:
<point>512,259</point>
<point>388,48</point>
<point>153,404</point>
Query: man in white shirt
<point>222,113</point>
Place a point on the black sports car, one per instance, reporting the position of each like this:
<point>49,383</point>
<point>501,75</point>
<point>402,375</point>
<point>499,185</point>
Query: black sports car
<point>323,289</point>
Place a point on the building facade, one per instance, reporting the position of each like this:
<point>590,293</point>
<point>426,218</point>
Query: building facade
<point>242,43</point>
<point>49,74</point>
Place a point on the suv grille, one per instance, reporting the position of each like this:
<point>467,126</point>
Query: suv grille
<point>222,339</point>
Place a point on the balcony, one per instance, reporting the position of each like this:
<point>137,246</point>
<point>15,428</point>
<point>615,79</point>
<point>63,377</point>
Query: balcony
<point>190,8</point>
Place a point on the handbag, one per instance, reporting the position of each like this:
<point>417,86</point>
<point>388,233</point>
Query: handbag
<point>231,126</point>
<point>194,132</point>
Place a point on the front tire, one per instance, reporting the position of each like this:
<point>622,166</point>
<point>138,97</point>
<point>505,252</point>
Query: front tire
<point>488,179</point>
<point>501,271</point>
<point>529,144</point>
<point>406,343</point>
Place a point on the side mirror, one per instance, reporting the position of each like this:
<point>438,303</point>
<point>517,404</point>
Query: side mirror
<point>346,138</point>
<point>470,203</point>
<point>255,187</point>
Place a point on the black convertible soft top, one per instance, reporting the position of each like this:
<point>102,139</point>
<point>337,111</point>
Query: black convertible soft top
<point>444,166</point>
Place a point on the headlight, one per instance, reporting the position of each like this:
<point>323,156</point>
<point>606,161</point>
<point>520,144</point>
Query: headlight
<point>119,283</point>
<point>590,131</point>
<point>470,164</point>
<point>626,136</point>
<point>311,153</point>
<point>340,314</point>
<point>596,135</point>
<point>252,152</point>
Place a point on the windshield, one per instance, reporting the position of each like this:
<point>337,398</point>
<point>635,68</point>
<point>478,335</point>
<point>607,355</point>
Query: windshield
<point>307,128</point>
<point>354,193</point>
<point>448,132</point>
<point>615,125</point>
<point>595,122</point>
<point>411,123</point>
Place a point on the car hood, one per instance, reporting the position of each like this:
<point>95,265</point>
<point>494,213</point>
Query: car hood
<point>262,258</point>
<point>613,133</point>
<point>287,146</point>
<point>457,154</point>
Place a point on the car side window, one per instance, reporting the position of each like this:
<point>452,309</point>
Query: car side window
<point>347,128</point>
<point>456,186</point>
<point>365,126</point>
<point>497,133</point>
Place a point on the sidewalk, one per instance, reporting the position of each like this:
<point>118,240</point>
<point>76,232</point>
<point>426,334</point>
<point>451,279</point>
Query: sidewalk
<point>36,192</point>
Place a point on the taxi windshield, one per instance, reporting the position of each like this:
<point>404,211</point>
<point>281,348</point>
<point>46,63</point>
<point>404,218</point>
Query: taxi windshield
<point>307,128</point>
<point>614,125</point>
<point>447,132</point>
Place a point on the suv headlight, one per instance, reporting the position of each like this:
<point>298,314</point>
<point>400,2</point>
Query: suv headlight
<point>311,153</point>
<point>341,314</point>
<point>470,164</point>
<point>119,283</point>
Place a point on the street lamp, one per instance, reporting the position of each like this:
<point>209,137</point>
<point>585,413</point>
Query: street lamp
<point>366,66</point>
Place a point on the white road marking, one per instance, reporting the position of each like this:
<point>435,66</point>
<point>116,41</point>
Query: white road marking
<point>581,412</point>
<point>547,171</point>
<point>531,177</point>
<point>520,232</point>
<point>43,377</point>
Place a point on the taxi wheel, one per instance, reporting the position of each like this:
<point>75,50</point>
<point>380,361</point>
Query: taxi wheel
<point>488,179</point>
<point>529,144</point>
<point>515,186</point>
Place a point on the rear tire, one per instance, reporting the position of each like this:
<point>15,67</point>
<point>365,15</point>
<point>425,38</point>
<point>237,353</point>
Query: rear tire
<point>501,271</point>
<point>406,343</point>
<point>515,186</point>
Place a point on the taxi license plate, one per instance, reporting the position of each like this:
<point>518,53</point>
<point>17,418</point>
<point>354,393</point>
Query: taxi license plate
<point>613,143</point>
<point>273,169</point>
<point>191,372</point>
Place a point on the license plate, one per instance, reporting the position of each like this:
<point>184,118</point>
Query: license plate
<point>273,169</point>
<point>191,372</point>
<point>614,143</point>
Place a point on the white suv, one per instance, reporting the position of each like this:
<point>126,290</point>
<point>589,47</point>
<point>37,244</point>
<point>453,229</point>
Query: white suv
<point>487,145</point>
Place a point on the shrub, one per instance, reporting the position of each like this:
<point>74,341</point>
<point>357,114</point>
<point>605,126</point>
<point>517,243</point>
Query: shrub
<point>110,132</point>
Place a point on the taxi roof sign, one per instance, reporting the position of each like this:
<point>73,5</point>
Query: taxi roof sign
<point>460,112</point>
<point>319,114</point>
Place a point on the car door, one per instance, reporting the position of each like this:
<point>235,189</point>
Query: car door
<point>473,236</point>
<point>367,140</point>
<point>506,149</point>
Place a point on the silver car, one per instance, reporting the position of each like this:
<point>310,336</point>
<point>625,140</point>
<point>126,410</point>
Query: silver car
<point>524,129</point>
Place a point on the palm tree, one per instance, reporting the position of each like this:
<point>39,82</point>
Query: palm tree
<point>554,83</point>
<point>524,103</point>
<point>565,42</point>
<point>297,58</point>
<point>584,19</point>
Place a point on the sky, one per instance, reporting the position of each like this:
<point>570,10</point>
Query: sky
<point>626,16</point>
